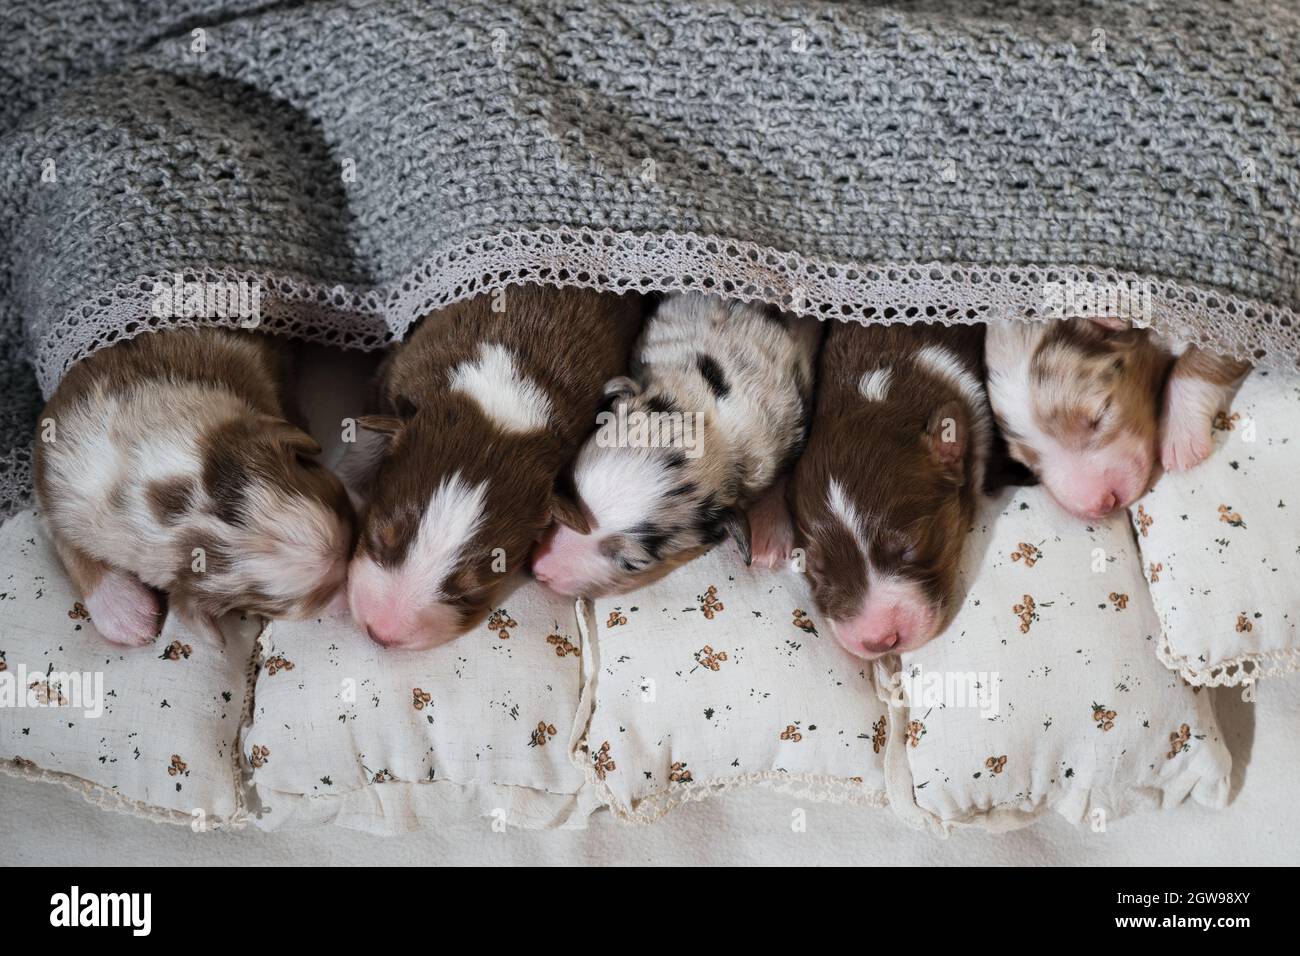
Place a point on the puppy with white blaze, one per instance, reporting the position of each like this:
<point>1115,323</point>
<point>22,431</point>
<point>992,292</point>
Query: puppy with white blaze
<point>883,498</point>
<point>713,413</point>
<point>486,410</point>
<point>168,463</point>
<point>1080,404</point>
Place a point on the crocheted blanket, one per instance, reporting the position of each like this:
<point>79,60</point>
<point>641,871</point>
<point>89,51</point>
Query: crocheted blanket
<point>335,170</point>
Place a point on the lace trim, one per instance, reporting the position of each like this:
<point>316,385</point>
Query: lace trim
<point>15,482</point>
<point>1232,672</point>
<point>106,798</point>
<point>603,259</point>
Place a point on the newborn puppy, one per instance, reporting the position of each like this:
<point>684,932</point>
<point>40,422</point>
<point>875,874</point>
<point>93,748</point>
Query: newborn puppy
<point>1078,401</point>
<point>715,410</point>
<point>884,495</point>
<point>488,410</point>
<point>166,462</point>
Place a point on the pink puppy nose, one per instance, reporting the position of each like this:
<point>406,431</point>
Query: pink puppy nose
<point>1103,506</point>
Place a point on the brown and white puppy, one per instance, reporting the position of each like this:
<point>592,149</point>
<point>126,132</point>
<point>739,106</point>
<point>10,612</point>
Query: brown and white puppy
<point>1079,402</point>
<point>487,411</point>
<point>714,410</point>
<point>884,495</point>
<point>166,462</point>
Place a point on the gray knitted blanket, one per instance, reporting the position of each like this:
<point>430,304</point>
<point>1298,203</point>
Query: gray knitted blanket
<point>347,166</point>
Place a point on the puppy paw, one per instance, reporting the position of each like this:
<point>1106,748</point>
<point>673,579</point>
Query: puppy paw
<point>124,611</point>
<point>771,533</point>
<point>1186,443</point>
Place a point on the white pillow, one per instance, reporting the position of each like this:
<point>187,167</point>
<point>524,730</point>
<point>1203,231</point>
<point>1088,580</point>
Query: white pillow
<point>1051,667</point>
<point>1221,544</point>
<point>149,730</point>
<point>716,677</point>
<point>368,738</point>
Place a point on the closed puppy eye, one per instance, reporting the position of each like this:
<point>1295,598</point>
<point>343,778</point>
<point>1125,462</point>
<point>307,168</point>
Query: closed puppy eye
<point>1096,421</point>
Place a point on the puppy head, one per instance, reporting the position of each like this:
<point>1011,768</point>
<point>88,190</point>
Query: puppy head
<point>1078,402</point>
<point>882,502</point>
<point>646,504</point>
<point>265,528</point>
<point>455,507</point>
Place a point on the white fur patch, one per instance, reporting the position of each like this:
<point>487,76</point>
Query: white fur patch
<point>847,513</point>
<point>508,397</point>
<point>874,385</point>
<point>453,516</point>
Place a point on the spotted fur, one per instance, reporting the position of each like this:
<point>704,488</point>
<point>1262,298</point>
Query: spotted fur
<point>743,374</point>
<point>172,466</point>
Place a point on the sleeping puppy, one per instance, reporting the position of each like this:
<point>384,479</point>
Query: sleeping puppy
<point>715,410</point>
<point>487,410</point>
<point>884,495</point>
<point>1079,403</point>
<point>166,462</point>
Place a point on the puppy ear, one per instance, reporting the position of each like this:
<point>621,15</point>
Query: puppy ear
<point>947,436</point>
<point>569,513</point>
<point>1111,323</point>
<point>736,524</point>
<point>361,457</point>
<point>622,387</point>
<point>381,424</point>
<point>297,441</point>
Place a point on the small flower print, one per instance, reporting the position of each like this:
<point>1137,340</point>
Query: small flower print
<point>562,645</point>
<point>1027,611</point>
<point>420,699</point>
<point>803,621</point>
<point>996,764</point>
<point>1028,553</point>
<point>1156,568</point>
<point>541,733</point>
<point>616,619</point>
<point>878,736</point>
<point>47,693</point>
<point>791,734</point>
<point>276,664</point>
<point>915,731</point>
<point>259,755</point>
<point>177,766</point>
<point>678,773</point>
<point>1244,626</point>
<point>1105,719</point>
<point>501,622</point>
<point>709,602</point>
<point>603,761</point>
<point>1178,741</point>
<point>79,612</point>
<point>1119,600</point>
<point>1224,422</point>
<point>1228,516</point>
<point>1144,520</point>
<point>175,651</point>
<point>710,658</point>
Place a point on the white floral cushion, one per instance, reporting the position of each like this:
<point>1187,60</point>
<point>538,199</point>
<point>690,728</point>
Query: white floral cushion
<point>1044,693</point>
<point>150,730</point>
<point>1221,544</point>
<point>717,676</point>
<point>348,732</point>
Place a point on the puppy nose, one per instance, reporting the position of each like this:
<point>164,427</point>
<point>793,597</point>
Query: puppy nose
<point>881,644</point>
<point>1104,506</point>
